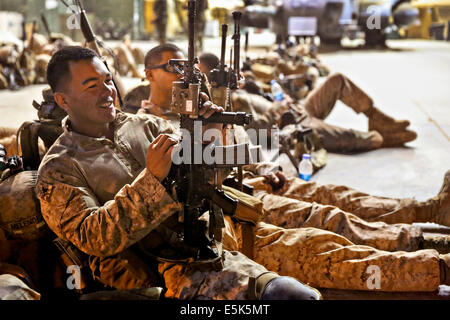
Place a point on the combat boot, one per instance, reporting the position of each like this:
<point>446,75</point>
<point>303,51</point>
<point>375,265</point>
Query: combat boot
<point>381,122</point>
<point>437,209</point>
<point>444,266</point>
<point>397,138</point>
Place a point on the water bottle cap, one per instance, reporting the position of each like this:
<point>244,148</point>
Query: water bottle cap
<point>272,81</point>
<point>306,156</point>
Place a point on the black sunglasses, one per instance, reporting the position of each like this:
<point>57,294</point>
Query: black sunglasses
<point>166,67</point>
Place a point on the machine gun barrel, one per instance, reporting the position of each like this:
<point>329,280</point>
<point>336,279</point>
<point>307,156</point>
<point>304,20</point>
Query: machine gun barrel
<point>223,48</point>
<point>246,44</point>
<point>219,77</point>
<point>237,40</point>
<point>190,77</point>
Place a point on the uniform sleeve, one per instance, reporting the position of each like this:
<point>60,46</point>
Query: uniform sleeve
<point>73,212</point>
<point>260,168</point>
<point>244,102</point>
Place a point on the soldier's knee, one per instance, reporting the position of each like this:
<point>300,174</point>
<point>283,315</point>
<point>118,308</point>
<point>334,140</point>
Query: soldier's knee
<point>337,76</point>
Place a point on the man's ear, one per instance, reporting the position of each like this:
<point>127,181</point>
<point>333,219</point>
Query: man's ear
<point>61,100</point>
<point>148,74</point>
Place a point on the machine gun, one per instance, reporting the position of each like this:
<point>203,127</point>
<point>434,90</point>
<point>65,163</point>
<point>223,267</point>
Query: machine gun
<point>93,43</point>
<point>289,138</point>
<point>219,77</point>
<point>191,180</point>
<point>247,64</point>
<point>9,165</point>
<point>235,71</point>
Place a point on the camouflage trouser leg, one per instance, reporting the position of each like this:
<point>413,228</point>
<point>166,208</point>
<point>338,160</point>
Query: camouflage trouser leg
<point>292,213</point>
<point>230,283</point>
<point>363,205</point>
<point>321,102</point>
<point>338,139</point>
<point>124,271</point>
<point>326,260</point>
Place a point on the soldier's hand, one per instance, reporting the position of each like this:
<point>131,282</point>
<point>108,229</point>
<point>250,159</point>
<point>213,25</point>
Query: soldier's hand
<point>159,156</point>
<point>206,110</point>
<point>277,180</point>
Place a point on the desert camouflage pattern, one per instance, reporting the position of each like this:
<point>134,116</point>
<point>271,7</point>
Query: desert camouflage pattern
<point>327,260</point>
<point>230,283</point>
<point>312,112</point>
<point>107,215</point>
<point>307,204</point>
<point>127,62</point>
<point>8,139</point>
<point>324,259</point>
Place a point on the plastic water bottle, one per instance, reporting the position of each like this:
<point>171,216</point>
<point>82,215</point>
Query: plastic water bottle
<point>277,92</point>
<point>305,168</point>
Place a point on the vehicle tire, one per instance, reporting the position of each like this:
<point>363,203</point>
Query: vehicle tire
<point>375,37</point>
<point>331,41</point>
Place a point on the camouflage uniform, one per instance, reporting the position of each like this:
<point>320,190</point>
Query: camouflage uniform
<point>314,110</point>
<point>127,62</point>
<point>160,22</point>
<point>8,139</point>
<point>327,258</point>
<point>117,217</point>
<point>344,248</point>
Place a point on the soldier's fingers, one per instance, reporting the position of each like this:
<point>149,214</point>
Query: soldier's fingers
<point>168,153</point>
<point>204,108</point>
<point>204,97</point>
<point>159,137</point>
<point>213,109</point>
<point>168,144</point>
<point>158,144</point>
<point>281,176</point>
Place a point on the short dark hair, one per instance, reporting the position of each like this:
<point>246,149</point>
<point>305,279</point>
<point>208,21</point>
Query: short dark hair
<point>209,59</point>
<point>58,67</point>
<point>154,55</point>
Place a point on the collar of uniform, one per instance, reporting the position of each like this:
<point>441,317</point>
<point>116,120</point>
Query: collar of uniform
<point>87,142</point>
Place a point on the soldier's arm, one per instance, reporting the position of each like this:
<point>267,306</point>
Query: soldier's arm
<point>260,168</point>
<point>74,213</point>
<point>244,102</point>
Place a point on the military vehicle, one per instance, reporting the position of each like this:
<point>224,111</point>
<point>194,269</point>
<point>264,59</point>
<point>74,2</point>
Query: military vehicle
<point>330,20</point>
<point>377,17</point>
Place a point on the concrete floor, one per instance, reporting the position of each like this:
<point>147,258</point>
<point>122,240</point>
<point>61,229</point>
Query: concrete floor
<point>410,81</point>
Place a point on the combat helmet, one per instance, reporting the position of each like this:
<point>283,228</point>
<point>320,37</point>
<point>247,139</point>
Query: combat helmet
<point>20,213</point>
